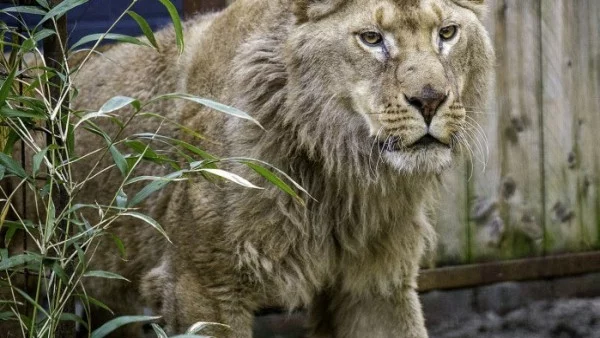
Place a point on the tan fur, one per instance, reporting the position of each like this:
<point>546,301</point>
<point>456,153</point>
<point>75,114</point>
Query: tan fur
<point>327,102</point>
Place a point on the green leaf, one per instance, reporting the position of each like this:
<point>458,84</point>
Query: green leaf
<point>119,160</point>
<point>154,178</point>
<point>72,317</point>
<point>104,274</point>
<point>27,45</point>
<point>94,129</point>
<point>278,182</point>
<point>160,333</point>
<point>183,144</point>
<point>279,171</point>
<point>142,148</point>
<point>10,141</point>
<point>121,199</point>
<point>70,143</point>
<point>211,104</point>
<point>6,86</point>
<point>176,24</point>
<point>12,166</point>
<point>37,160</point>
<point>109,36</point>
<point>110,106</point>
<point>145,27</point>
<point>230,177</point>
<point>43,3</point>
<point>116,323</point>
<point>148,220</point>
<point>118,102</point>
<point>10,233</point>
<point>16,261</point>
<point>25,10</point>
<point>95,302</point>
<point>60,272</point>
<point>50,222</point>
<point>42,34</point>
<point>197,327</point>
<point>8,112</point>
<point>22,224</point>
<point>120,245</point>
<point>60,9</point>
<point>153,187</point>
<point>6,315</point>
<point>38,306</point>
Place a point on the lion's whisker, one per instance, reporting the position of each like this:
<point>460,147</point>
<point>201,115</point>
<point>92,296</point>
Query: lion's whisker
<point>482,158</point>
<point>463,142</point>
<point>481,133</point>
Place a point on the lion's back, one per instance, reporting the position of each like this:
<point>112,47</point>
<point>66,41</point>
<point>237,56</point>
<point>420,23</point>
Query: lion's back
<point>143,73</point>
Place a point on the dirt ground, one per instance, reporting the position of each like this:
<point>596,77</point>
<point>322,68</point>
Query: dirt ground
<point>573,318</point>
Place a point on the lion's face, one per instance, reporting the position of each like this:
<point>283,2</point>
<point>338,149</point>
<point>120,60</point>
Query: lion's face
<point>408,68</point>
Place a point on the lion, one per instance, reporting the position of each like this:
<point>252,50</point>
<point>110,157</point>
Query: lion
<point>364,103</point>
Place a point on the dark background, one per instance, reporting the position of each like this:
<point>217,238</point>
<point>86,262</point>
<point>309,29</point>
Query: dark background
<point>96,16</point>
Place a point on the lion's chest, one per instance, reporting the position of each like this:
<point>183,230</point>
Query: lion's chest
<point>381,265</point>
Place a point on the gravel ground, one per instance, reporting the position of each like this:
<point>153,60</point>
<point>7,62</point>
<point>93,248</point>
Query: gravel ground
<point>566,318</point>
<point>574,318</point>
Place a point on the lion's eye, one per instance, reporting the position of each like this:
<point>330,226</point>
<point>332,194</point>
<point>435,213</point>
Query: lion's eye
<point>448,32</point>
<point>371,38</point>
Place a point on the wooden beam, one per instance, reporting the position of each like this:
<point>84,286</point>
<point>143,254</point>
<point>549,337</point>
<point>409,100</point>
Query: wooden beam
<point>191,7</point>
<point>515,270</point>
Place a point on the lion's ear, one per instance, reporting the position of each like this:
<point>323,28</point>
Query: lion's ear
<point>478,6</point>
<point>306,10</point>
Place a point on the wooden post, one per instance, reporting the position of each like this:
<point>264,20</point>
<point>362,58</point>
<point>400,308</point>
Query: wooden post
<point>191,7</point>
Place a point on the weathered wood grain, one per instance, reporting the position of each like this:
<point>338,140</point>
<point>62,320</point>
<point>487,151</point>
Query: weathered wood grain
<point>570,124</point>
<point>451,219</point>
<point>538,192</point>
<point>506,203</point>
<point>519,108</point>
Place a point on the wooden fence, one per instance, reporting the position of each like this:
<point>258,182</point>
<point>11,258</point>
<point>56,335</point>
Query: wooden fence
<point>537,193</point>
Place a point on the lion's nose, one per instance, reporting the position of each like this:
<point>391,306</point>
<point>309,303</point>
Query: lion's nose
<point>427,102</point>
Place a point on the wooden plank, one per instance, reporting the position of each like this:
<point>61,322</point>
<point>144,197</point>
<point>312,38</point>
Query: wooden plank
<point>587,98</point>
<point>451,221</point>
<point>513,270</point>
<point>506,208</point>
<point>594,78</point>
<point>484,224</point>
<point>570,125</point>
<point>484,219</point>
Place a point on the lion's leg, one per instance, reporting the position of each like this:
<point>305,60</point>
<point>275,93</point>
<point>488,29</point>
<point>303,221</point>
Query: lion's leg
<point>195,299</point>
<point>320,318</point>
<point>375,316</point>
